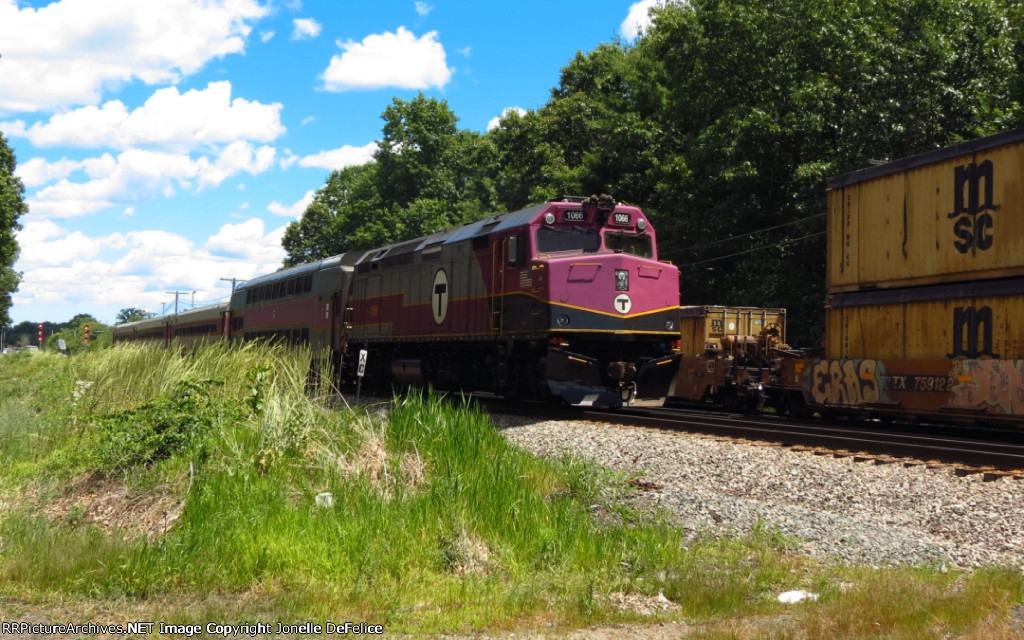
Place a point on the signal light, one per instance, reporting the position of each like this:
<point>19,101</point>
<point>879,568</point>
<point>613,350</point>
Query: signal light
<point>40,334</point>
<point>87,335</point>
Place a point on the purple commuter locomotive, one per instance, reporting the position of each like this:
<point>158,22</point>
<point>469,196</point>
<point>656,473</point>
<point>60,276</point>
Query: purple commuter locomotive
<point>565,300</point>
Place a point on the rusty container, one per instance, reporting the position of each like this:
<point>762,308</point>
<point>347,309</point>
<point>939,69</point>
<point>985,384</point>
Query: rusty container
<point>954,214</point>
<point>974,320</point>
<point>703,325</point>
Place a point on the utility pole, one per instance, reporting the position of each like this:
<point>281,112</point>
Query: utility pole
<point>180,293</point>
<point>234,282</point>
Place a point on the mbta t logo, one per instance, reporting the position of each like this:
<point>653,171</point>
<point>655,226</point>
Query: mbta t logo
<point>972,202</point>
<point>972,333</point>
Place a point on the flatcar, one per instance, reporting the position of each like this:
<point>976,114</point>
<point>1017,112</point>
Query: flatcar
<point>565,301</point>
<point>730,357</point>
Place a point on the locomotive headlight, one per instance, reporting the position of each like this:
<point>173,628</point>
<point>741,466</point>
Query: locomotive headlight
<point>670,325</point>
<point>549,218</point>
<point>562,320</point>
<point>622,280</point>
<point>641,224</point>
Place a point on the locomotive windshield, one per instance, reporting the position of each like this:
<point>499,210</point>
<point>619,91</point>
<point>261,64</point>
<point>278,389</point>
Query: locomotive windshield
<point>637,244</point>
<point>559,240</point>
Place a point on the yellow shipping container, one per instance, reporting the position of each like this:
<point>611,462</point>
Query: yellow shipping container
<point>699,325</point>
<point>971,321</point>
<point>953,214</point>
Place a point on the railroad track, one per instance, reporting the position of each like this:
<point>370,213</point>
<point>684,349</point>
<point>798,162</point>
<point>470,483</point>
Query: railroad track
<point>963,453</point>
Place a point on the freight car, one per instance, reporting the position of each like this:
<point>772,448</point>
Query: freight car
<point>565,300</point>
<point>925,288</point>
<point>925,295</point>
<point>730,356</point>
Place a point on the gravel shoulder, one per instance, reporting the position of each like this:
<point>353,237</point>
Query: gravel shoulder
<point>836,509</point>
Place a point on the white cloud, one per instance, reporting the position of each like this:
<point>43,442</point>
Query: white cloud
<point>138,174</point>
<point>265,36</point>
<point>305,28</point>
<point>43,243</point>
<point>422,8</point>
<point>176,121</point>
<point>389,60</point>
<point>291,211</point>
<point>138,268</point>
<point>39,171</point>
<point>639,19</point>
<point>465,51</point>
<point>496,121</point>
<point>346,156</point>
<point>67,52</point>
<point>248,240</point>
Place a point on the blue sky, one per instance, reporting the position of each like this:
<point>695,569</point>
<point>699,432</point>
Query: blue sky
<point>165,144</point>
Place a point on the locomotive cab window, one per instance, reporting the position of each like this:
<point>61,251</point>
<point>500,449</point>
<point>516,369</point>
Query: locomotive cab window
<point>516,252</point>
<point>559,240</point>
<point>637,244</point>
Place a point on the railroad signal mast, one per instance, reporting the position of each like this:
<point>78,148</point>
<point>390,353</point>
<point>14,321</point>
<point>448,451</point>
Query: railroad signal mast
<point>87,335</point>
<point>40,334</point>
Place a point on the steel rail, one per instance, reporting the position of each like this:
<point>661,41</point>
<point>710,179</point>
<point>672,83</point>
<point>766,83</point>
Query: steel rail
<point>851,437</point>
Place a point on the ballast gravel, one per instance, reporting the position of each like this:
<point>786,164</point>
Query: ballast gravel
<point>834,508</point>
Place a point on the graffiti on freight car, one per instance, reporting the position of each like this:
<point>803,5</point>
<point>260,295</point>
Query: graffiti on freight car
<point>994,385</point>
<point>972,207</point>
<point>973,333</point>
<point>846,382</point>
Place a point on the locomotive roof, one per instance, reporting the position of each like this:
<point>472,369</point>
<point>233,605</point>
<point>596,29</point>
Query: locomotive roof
<point>306,267</point>
<point>490,224</point>
<point>494,224</point>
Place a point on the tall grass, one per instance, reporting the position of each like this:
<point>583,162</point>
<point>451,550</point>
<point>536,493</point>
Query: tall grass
<point>435,522</point>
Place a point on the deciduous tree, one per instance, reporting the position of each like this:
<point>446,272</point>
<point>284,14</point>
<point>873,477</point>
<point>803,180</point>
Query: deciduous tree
<point>12,207</point>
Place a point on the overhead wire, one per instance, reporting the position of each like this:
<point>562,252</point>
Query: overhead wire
<point>745,235</point>
<point>740,253</point>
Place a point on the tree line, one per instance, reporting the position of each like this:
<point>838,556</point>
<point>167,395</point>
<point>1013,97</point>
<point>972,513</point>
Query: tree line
<point>723,122</point>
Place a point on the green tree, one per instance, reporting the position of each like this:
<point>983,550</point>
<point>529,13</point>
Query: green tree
<point>131,314</point>
<point>768,100</point>
<point>426,176</point>
<point>73,334</point>
<point>12,207</point>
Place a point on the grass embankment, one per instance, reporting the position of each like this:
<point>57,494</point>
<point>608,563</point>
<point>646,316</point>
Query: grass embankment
<point>434,522</point>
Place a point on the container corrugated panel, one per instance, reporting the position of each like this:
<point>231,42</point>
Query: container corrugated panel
<point>954,214</point>
<point>700,324</point>
<point>970,320</point>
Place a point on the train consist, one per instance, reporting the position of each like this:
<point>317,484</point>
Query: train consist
<point>925,299</point>
<point>564,301</point>
<point>567,300</point>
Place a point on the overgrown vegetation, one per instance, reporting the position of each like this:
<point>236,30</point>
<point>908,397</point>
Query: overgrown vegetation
<point>420,517</point>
